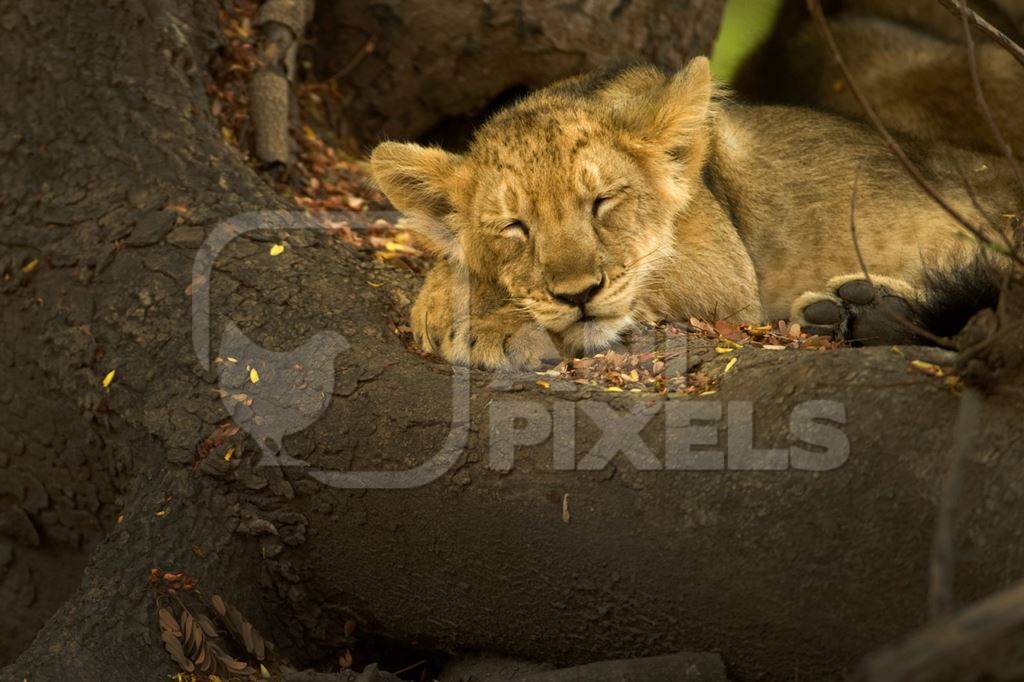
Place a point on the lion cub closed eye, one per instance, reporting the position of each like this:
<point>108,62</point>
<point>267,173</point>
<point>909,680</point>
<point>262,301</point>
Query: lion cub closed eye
<point>634,196</point>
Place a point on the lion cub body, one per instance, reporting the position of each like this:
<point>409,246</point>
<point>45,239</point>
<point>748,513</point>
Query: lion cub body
<point>605,201</point>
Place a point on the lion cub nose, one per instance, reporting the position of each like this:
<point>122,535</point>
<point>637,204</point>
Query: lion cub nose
<point>580,297</point>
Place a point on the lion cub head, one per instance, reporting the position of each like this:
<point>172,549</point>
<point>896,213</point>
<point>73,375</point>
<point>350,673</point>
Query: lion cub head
<point>567,199</point>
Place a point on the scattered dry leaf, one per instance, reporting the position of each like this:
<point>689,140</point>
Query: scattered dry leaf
<point>928,368</point>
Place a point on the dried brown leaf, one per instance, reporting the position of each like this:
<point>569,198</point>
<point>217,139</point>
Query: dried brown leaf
<point>234,665</point>
<point>200,658</point>
<point>196,634</point>
<point>242,630</point>
<point>186,624</point>
<point>259,646</point>
<point>207,626</point>
<point>218,605</point>
<point>168,623</point>
<point>247,637</point>
<point>729,331</point>
<point>174,648</point>
<point>235,619</point>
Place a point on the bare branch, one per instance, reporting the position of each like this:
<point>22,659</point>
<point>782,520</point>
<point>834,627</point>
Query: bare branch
<point>941,602</point>
<point>993,32</point>
<point>979,94</point>
<point>933,649</point>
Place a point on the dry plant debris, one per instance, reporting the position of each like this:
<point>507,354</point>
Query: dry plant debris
<point>201,647</point>
<point>322,180</point>
<point>666,370</point>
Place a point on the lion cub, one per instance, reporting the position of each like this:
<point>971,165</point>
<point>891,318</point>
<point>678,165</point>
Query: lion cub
<point>609,200</point>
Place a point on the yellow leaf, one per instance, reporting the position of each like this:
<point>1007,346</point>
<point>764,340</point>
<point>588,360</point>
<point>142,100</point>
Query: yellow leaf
<point>264,673</point>
<point>543,384</point>
<point>732,363</point>
<point>721,350</point>
<point>30,266</point>
<point>709,393</point>
<point>161,513</point>
<point>395,246</point>
<point>928,368</point>
<point>254,376</point>
<point>228,454</point>
<point>613,389</point>
<point>277,249</point>
<point>107,380</point>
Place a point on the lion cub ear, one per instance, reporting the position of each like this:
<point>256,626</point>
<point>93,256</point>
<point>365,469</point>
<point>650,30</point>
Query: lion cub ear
<point>419,181</point>
<point>672,113</point>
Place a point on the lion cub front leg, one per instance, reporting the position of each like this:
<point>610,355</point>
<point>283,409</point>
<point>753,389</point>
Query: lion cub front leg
<point>494,334</point>
<point>852,308</point>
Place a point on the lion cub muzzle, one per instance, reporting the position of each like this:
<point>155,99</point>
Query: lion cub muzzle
<point>578,292</point>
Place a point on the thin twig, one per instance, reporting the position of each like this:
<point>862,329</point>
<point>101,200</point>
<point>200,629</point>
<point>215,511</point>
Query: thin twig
<point>933,650</point>
<point>357,59</point>
<point>884,308</point>
<point>979,95</point>
<point>409,667</point>
<point>993,32</point>
<point>814,6</point>
<point>972,194</point>
<point>943,559</point>
<point>997,134</point>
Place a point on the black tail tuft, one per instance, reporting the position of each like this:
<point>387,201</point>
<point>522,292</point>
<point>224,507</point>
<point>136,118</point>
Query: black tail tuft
<point>954,296</point>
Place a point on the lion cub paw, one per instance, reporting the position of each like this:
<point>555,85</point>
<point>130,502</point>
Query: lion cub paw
<point>854,309</point>
<point>500,340</point>
<point>511,340</point>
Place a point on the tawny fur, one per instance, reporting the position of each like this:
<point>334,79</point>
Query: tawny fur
<point>910,60</point>
<point>674,203</point>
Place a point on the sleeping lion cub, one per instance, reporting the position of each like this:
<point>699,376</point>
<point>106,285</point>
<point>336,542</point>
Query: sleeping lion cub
<point>610,200</point>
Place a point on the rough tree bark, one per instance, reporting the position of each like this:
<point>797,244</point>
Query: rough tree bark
<point>113,174</point>
<point>408,65</point>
